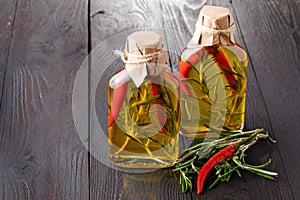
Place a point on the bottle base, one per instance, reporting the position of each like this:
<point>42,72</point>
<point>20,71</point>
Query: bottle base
<point>205,132</point>
<point>144,163</point>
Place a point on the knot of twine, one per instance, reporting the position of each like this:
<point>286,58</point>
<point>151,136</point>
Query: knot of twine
<point>137,59</point>
<point>212,31</point>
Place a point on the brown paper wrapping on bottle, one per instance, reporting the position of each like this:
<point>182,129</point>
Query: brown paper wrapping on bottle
<point>144,55</point>
<point>214,26</point>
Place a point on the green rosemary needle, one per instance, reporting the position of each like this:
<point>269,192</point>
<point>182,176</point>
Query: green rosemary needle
<point>194,157</point>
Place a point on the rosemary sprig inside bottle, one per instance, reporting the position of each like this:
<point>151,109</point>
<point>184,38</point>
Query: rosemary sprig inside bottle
<point>226,155</point>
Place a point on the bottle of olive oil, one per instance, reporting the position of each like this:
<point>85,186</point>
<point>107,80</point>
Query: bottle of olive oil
<point>143,106</point>
<point>212,73</point>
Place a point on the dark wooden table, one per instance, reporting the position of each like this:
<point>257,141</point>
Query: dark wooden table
<point>44,42</point>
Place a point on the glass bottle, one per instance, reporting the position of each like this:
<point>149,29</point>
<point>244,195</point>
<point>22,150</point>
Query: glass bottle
<point>143,106</point>
<point>213,74</point>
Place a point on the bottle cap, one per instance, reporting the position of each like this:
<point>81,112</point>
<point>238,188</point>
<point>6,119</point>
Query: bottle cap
<point>214,26</point>
<point>144,55</point>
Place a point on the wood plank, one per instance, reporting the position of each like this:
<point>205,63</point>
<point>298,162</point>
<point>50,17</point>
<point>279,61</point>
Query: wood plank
<point>271,32</point>
<point>42,156</point>
<point>256,116</point>
<point>251,186</point>
<point>154,185</point>
<point>7,16</point>
<point>180,16</point>
<point>107,20</point>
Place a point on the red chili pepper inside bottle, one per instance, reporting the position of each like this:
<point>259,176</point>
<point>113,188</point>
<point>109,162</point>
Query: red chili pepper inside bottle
<point>213,74</point>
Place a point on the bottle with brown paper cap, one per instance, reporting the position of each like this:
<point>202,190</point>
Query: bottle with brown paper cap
<point>143,106</point>
<point>213,74</point>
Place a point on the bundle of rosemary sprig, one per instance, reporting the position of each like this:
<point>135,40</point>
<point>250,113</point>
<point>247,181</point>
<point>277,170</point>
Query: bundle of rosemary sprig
<point>196,156</point>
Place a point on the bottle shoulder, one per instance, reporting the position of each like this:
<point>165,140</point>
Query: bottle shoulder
<point>238,51</point>
<point>235,49</point>
<point>187,52</point>
<point>123,77</point>
<point>119,78</point>
<point>169,76</point>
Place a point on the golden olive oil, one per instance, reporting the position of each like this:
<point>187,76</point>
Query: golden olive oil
<point>213,80</point>
<point>144,121</point>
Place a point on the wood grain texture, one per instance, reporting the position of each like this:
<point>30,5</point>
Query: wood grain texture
<point>43,43</point>
<point>41,156</point>
<point>154,185</point>
<point>7,16</point>
<point>107,20</point>
<point>275,59</point>
<point>181,16</point>
<point>256,116</point>
<point>105,183</point>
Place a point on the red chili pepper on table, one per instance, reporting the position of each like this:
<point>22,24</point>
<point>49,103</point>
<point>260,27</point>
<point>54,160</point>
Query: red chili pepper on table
<point>224,154</point>
<point>117,102</point>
